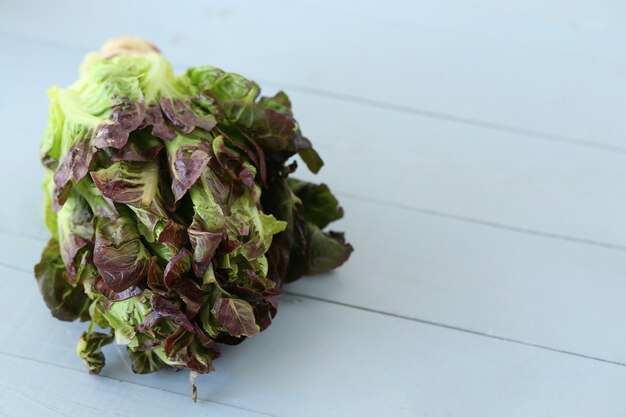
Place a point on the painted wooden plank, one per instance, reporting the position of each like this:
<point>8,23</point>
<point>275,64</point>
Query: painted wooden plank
<point>30,388</point>
<point>581,29</point>
<point>396,158</point>
<point>556,69</point>
<point>391,226</point>
<point>554,293</point>
<point>320,359</point>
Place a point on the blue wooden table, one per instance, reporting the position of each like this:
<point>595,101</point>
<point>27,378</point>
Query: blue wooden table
<point>479,151</point>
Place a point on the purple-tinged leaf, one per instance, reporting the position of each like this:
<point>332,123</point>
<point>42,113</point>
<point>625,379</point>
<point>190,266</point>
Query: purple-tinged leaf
<point>141,147</point>
<point>318,205</point>
<point>164,309</point>
<point>228,159</point>
<point>204,244</point>
<point>218,183</point>
<point>174,234</point>
<point>236,316</point>
<point>160,127</point>
<point>127,116</point>
<point>201,356</point>
<point>187,159</point>
<point>178,266</point>
<point>176,344</point>
<point>75,230</point>
<point>238,139</point>
<point>191,294</point>
<point>179,113</point>
<point>155,278</point>
<point>66,302</point>
<point>132,183</point>
<point>119,254</point>
<point>73,167</point>
<point>206,121</point>
<point>111,295</point>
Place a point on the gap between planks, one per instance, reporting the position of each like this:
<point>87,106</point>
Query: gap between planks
<point>444,215</point>
<point>480,222</point>
<point>416,320</point>
<point>428,114</point>
<point>148,387</point>
<point>422,210</point>
<point>420,112</point>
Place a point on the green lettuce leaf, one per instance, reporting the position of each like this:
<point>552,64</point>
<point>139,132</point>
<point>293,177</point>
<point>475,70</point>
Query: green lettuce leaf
<point>75,230</point>
<point>132,183</point>
<point>66,302</point>
<point>89,349</point>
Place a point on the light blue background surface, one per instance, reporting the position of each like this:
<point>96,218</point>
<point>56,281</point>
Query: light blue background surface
<point>479,151</point>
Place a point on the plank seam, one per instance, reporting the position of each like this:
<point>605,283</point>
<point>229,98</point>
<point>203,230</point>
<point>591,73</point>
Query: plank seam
<point>459,329</point>
<point>422,321</point>
<point>452,118</point>
<point>487,223</point>
<point>11,355</point>
<point>380,104</point>
<point>443,215</point>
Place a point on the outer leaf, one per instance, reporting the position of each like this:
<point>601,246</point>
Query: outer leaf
<point>272,129</point>
<point>50,216</point>
<point>144,362</point>
<point>89,350</point>
<point>75,229</point>
<point>74,166</point>
<point>326,251</point>
<point>201,354</point>
<point>204,243</point>
<point>236,316</point>
<point>126,315</point>
<point>304,249</point>
<point>179,112</point>
<point>279,102</point>
<point>51,144</point>
<point>223,86</point>
<point>66,302</point>
<point>312,159</point>
<point>319,205</point>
